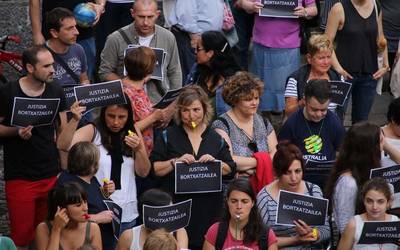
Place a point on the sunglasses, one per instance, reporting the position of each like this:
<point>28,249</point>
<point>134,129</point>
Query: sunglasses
<point>253,146</point>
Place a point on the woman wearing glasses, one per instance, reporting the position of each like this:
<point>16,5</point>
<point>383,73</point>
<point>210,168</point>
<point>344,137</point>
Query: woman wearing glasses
<point>246,132</point>
<point>215,64</point>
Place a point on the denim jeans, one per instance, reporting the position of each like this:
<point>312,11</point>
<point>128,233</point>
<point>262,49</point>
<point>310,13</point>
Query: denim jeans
<point>89,46</point>
<point>362,94</point>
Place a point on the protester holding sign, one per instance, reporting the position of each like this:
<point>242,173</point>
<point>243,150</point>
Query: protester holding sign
<point>122,153</point>
<point>30,153</point>
<point>360,152</point>
<point>189,141</point>
<point>215,64</point>
<point>289,168</point>
<point>139,64</point>
<point>376,196</point>
<point>67,225</point>
<point>83,160</point>
<point>319,52</point>
<point>241,225</point>
<point>276,49</point>
<point>251,138</point>
<point>134,239</point>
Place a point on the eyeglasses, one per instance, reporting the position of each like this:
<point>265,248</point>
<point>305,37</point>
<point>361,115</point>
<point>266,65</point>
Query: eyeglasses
<point>252,145</point>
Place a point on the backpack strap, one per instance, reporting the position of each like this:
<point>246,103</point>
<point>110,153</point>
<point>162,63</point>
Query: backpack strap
<point>63,64</point>
<point>310,188</point>
<point>225,122</point>
<point>263,240</point>
<point>124,36</point>
<point>221,235</point>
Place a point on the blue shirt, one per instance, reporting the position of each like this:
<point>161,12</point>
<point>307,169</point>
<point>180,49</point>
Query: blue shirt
<point>197,16</point>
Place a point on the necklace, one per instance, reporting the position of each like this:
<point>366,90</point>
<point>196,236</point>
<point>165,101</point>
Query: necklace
<point>313,144</point>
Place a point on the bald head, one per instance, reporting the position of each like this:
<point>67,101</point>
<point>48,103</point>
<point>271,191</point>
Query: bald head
<point>145,14</point>
<point>144,3</point>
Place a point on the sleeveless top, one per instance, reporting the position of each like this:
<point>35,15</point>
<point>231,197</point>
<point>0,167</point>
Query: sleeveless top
<point>135,245</point>
<point>356,42</point>
<point>357,235</point>
<point>87,233</point>
<point>126,197</point>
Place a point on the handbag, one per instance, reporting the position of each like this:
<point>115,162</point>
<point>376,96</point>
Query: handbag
<point>228,22</point>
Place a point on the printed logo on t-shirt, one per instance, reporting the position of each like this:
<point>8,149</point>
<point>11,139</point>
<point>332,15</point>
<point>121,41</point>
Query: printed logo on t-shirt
<point>313,144</point>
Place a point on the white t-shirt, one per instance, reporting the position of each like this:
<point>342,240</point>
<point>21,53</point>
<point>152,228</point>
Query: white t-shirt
<point>145,41</point>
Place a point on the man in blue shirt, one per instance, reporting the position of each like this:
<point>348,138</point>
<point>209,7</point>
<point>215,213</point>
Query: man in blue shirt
<point>316,131</point>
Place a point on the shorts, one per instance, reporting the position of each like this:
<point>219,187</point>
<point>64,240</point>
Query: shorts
<point>27,207</point>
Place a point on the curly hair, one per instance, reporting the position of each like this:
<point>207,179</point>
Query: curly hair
<point>241,86</point>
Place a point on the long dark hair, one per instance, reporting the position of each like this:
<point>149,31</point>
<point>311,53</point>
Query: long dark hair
<point>106,134</point>
<point>254,226</point>
<point>359,153</point>
<point>221,64</point>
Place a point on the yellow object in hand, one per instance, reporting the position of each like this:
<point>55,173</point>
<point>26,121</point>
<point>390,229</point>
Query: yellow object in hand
<point>194,125</point>
<point>315,232</point>
<point>130,133</point>
<point>105,180</point>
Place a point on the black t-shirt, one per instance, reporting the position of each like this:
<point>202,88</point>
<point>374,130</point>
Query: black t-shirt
<point>48,5</point>
<point>95,204</point>
<point>36,158</point>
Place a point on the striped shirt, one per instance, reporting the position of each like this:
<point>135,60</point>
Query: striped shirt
<point>268,210</point>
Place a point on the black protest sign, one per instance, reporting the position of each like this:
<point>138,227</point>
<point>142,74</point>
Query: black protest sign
<point>69,93</point>
<point>278,8</point>
<point>380,232</point>
<point>34,111</point>
<point>158,72</point>
<point>339,92</point>
<point>116,221</point>
<point>294,206</point>
<point>392,176</point>
<point>171,217</point>
<point>168,98</point>
<point>198,177</point>
<point>100,94</point>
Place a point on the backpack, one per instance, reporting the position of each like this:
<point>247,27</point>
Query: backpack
<point>223,230</point>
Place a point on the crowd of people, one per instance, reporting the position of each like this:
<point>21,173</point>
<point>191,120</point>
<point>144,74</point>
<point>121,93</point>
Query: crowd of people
<point>59,177</point>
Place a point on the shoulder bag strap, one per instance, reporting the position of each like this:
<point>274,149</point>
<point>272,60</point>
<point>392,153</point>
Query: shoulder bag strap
<point>63,64</point>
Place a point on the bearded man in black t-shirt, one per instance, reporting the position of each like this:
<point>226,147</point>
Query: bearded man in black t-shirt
<point>31,161</point>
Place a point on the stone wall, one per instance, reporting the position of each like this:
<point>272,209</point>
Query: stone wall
<point>14,21</point>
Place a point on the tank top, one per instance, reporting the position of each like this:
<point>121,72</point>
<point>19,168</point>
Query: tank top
<point>87,233</point>
<point>136,238</point>
<point>356,42</point>
<point>357,235</point>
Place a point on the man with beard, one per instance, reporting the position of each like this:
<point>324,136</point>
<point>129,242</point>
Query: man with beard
<point>30,153</point>
<point>70,61</point>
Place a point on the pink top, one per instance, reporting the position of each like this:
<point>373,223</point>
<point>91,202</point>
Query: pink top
<point>230,242</point>
<point>141,107</point>
<point>277,32</point>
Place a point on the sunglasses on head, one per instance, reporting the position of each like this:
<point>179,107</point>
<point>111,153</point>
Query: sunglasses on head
<point>253,146</point>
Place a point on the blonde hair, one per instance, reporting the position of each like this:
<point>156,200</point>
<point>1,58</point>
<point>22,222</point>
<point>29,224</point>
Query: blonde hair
<point>160,239</point>
<point>188,96</point>
<point>318,43</point>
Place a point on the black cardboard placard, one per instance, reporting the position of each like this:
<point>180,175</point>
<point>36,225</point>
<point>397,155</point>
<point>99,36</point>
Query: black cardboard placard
<point>158,72</point>
<point>198,177</point>
<point>168,98</point>
<point>171,217</point>
<point>69,94</point>
<point>279,8</point>
<point>100,94</point>
<point>339,92</point>
<point>380,232</point>
<point>294,206</point>
<point>116,221</point>
<point>34,111</point>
